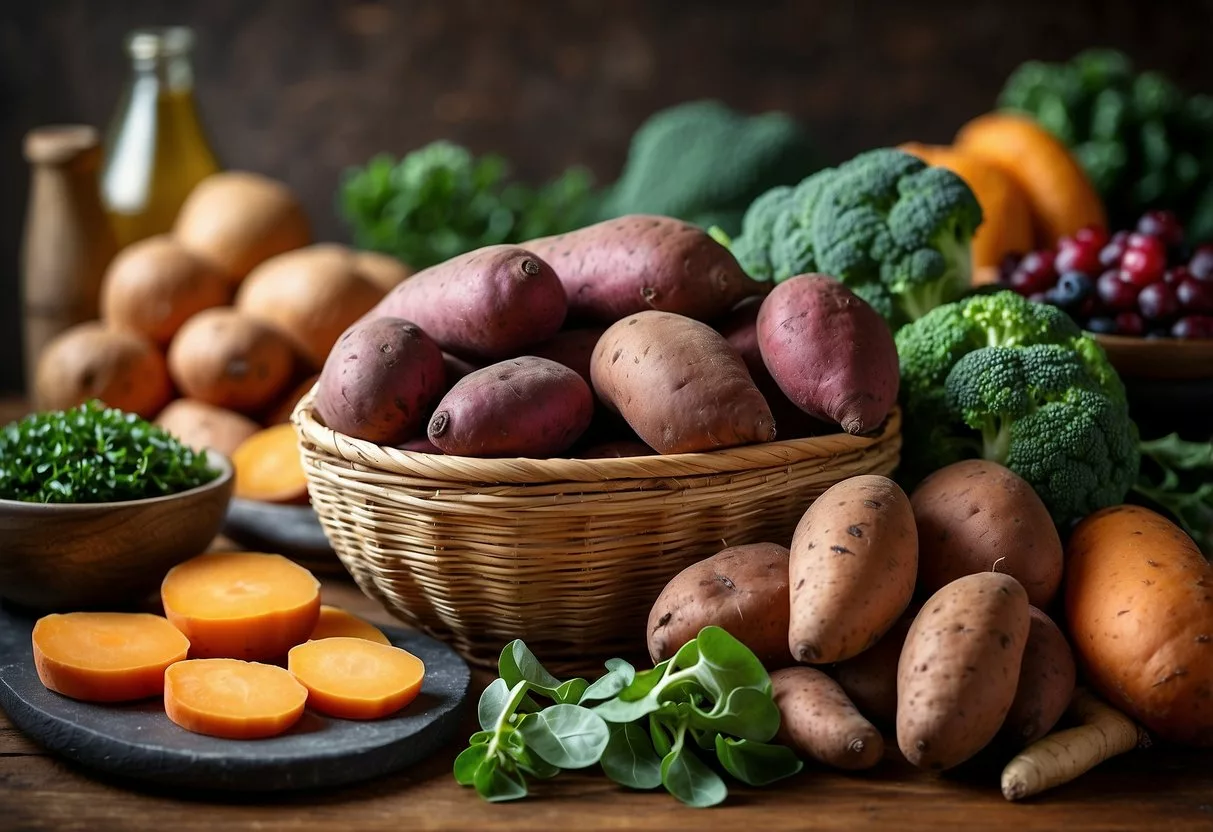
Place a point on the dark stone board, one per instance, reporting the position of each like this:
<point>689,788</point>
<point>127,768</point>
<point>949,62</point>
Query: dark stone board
<point>294,531</point>
<point>138,742</point>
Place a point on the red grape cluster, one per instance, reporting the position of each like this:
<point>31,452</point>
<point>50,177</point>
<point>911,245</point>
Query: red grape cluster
<point>1142,282</point>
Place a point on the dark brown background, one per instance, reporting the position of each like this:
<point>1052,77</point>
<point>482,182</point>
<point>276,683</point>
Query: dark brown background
<point>299,89</point>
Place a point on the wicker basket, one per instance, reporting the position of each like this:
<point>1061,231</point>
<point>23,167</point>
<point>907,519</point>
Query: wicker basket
<point>567,554</point>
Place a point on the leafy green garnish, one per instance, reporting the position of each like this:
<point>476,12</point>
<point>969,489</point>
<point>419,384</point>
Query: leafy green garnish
<point>440,201</point>
<point>1175,475</point>
<point>711,700</point>
<point>94,454</point>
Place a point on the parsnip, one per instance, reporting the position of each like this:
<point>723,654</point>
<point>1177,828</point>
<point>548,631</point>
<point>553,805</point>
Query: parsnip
<point>1062,756</point>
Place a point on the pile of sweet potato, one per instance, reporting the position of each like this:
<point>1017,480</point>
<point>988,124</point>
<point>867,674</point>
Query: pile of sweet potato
<point>634,336</point>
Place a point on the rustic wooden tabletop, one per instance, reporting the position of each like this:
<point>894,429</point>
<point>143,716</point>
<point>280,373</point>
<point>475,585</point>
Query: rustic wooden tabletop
<point>1154,789</point>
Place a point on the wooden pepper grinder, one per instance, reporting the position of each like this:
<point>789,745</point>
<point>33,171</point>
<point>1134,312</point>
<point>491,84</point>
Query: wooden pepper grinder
<point>68,240</point>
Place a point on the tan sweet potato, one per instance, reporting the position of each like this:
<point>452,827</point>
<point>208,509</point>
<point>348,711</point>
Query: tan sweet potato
<point>491,303</point>
<point>743,589</point>
<point>231,360</point>
<point>93,361</point>
<point>622,266</point>
<point>239,219</point>
<point>830,352</point>
<point>383,270</point>
<point>281,412</point>
<point>1047,676</point>
<point>523,407</point>
<point>870,679</point>
<point>155,285</point>
<point>977,516</point>
<point>958,669</point>
<point>201,425</point>
<point>679,384</point>
<point>380,380</point>
<point>311,295</point>
<point>853,564</point>
<point>819,721</point>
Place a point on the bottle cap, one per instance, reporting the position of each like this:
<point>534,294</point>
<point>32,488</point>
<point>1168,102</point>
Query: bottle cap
<point>57,144</point>
<point>162,42</point>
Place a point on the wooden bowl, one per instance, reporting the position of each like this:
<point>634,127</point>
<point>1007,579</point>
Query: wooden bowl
<point>1177,359</point>
<point>70,556</point>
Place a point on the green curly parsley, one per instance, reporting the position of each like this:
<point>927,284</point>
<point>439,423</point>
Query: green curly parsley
<point>94,454</point>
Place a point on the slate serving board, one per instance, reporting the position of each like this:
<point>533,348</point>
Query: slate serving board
<point>294,531</point>
<point>138,742</point>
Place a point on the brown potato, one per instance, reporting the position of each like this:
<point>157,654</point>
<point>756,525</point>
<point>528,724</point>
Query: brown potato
<point>281,412</point>
<point>230,360</point>
<point>854,559</point>
<point>238,219</point>
<point>311,295</point>
<point>743,589</point>
<point>959,667</point>
<point>679,384</point>
<point>819,721</point>
<point>977,516</point>
<point>1047,677</point>
<point>155,285</point>
<point>92,361</point>
<point>384,270</point>
<point>870,679</point>
<point>201,425</point>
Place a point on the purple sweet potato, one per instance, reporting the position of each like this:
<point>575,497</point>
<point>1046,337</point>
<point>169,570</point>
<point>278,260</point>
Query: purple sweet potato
<point>619,449</point>
<point>491,303</point>
<point>456,368</point>
<point>621,266</point>
<point>379,381</point>
<point>572,347</point>
<point>679,385</point>
<point>524,407</point>
<point>830,352</point>
<point>1046,683</point>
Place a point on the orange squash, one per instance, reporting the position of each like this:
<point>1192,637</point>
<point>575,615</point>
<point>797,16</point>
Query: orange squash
<point>1062,197</point>
<point>1006,226</point>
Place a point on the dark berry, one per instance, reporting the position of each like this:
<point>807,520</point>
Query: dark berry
<point>1193,326</point>
<point>1116,292</point>
<point>1073,256</point>
<point>1201,264</point>
<point>1102,325</point>
<point>1143,266</point>
<point>1145,242</point>
<point>1114,249</point>
<point>1035,273</point>
<point>1195,296</point>
<point>1092,235</point>
<point>1176,276</point>
<point>1158,302</point>
<point>1088,307</point>
<point>1007,266</point>
<point>1130,323</point>
<point>1162,224</point>
<point>1072,288</point>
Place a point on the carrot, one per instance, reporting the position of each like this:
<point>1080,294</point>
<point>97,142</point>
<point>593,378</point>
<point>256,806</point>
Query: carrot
<point>106,656</point>
<point>269,468</point>
<point>1062,756</point>
<point>242,605</point>
<point>232,699</point>
<point>353,678</point>
<point>335,622</point>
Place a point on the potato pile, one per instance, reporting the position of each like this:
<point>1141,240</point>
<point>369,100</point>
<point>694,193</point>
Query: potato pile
<point>634,336</point>
<point>921,614</point>
<point>218,328</point>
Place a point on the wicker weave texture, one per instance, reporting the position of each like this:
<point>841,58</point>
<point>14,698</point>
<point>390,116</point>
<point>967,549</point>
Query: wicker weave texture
<point>566,554</point>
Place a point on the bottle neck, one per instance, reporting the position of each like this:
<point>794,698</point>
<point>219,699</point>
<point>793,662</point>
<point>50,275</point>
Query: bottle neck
<point>168,72</point>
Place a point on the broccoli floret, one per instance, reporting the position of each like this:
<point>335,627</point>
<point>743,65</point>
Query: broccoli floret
<point>894,230</point>
<point>999,377</point>
<point>887,217</point>
<point>704,162</point>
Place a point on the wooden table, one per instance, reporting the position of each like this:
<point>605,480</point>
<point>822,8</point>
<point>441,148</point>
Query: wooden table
<point>1148,790</point>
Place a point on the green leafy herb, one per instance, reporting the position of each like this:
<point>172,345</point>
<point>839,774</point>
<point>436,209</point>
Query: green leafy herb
<point>1175,475</point>
<point>709,705</point>
<point>94,454</point>
<point>440,201</point>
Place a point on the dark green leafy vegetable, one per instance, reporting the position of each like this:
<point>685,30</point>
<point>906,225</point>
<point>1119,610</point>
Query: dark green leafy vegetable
<point>1177,475</point>
<point>712,695</point>
<point>440,201</point>
<point>1144,142</point>
<point>94,454</point>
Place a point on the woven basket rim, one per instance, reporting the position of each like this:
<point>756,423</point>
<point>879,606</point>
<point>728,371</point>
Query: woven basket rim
<point>441,467</point>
